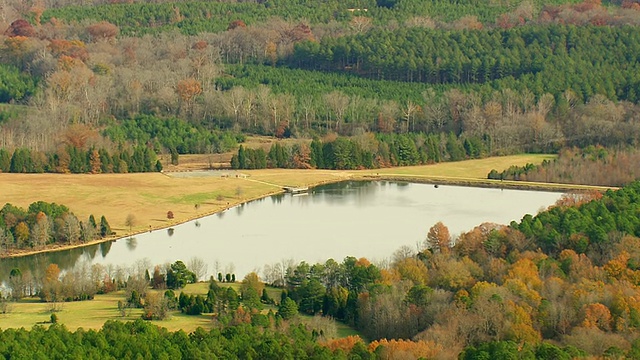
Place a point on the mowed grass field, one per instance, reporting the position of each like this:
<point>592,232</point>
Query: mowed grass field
<point>90,314</point>
<point>149,196</point>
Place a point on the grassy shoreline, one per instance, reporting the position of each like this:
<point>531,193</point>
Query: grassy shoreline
<point>149,196</point>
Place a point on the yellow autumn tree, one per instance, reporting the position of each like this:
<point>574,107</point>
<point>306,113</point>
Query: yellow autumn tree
<point>414,270</point>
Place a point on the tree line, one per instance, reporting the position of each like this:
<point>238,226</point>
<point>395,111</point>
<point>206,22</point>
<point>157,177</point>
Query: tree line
<point>71,159</point>
<point>593,165</point>
<point>136,18</point>
<point>44,224</point>
<point>142,339</point>
<point>523,112</point>
<point>364,151</point>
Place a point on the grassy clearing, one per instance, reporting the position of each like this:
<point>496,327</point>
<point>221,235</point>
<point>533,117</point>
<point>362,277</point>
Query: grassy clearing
<point>94,313</point>
<point>345,330</point>
<point>469,169</point>
<point>86,314</point>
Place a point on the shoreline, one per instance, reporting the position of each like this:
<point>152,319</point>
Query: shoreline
<point>351,176</point>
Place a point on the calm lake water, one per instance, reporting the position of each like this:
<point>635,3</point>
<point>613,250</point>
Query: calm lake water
<point>361,219</point>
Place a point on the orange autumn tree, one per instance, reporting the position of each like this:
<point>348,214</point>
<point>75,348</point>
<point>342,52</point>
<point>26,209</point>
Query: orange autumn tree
<point>345,344</point>
<point>405,349</point>
<point>438,238</point>
<point>597,316</point>
<point>187,90</point>
<point>51,285</point>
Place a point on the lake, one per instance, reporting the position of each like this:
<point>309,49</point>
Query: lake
<point>360,219</point>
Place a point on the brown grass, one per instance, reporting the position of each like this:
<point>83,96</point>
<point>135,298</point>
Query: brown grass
<point>470,169</point>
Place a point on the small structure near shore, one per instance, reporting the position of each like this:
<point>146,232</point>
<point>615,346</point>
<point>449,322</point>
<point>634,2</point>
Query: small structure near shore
<point>295,190</point>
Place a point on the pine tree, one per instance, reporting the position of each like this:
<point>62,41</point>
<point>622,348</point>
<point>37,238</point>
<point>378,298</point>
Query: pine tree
<point>105,229</point>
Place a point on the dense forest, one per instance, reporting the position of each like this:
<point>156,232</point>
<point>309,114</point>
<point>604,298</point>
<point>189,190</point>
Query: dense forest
<point>521,76</point>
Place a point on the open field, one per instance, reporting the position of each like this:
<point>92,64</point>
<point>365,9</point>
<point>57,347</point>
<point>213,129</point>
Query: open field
<point>94,313</point>
<point>149,196</point>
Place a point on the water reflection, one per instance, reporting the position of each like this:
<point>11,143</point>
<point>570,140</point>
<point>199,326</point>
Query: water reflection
<point>132,243</point>
<point>361,219</point>
<point>105,247</point>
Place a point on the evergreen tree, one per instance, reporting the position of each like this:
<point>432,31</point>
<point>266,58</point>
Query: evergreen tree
<point>288,309</point>
<point>242,158</point>
<point>5,160</point>
<point>21,161</point>
<point>105,229</point>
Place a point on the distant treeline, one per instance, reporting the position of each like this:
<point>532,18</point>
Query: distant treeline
<point>593,165</point>
<point>71,159</point>
<point>366,151</point>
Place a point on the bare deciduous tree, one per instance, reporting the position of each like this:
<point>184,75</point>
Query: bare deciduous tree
<point>198,266</point>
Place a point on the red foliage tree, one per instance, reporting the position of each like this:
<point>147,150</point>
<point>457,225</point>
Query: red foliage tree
<point>236,24</point>
<point>20,27</point>
<point>199,45</point>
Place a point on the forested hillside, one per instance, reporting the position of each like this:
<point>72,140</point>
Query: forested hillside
<point>514,76</point>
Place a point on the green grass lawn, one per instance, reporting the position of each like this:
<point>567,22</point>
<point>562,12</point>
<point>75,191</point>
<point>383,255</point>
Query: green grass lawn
<point>92,314</point>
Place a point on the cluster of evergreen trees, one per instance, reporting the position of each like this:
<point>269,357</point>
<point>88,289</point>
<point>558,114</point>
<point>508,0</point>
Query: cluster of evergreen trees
<point>200,16</point>
<point>220,300</point>
<point>45,223</point>
<point>15,85</point>
<point>366,151</point>
<point>75,160</point>
<point>588,228</point>
<point>542,59</point>
<point>140,339</point>
<point>172,135</point>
